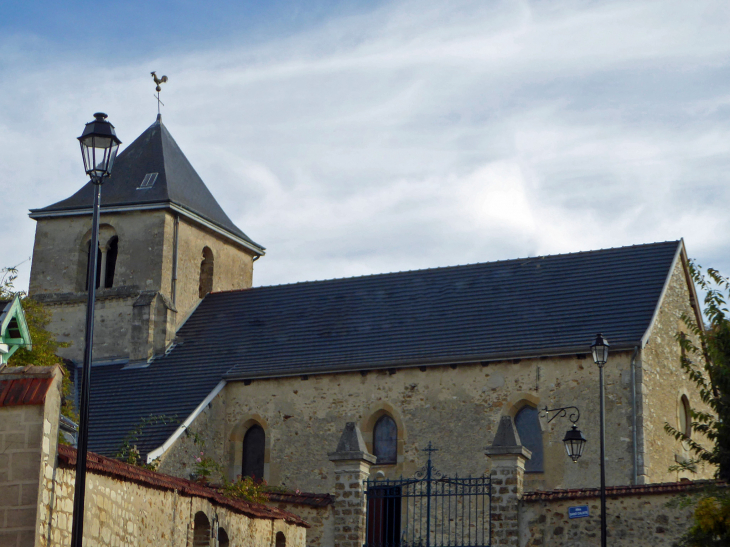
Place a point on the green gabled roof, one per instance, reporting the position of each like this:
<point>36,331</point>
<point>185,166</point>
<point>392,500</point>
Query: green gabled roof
<point>14,332</point>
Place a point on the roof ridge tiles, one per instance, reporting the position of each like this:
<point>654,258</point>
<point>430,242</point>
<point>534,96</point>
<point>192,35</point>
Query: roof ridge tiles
<point>439,268</point>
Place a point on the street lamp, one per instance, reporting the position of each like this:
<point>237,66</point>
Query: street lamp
<point>99,147</point>
<point>599,349</point>
<point>574,440</point>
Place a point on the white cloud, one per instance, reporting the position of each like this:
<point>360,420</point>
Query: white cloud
<point>420,134</point>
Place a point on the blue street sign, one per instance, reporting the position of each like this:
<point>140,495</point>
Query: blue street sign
<point>578,511</point>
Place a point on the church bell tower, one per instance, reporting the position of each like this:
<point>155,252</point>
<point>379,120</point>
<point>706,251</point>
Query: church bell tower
<point>164,243</point>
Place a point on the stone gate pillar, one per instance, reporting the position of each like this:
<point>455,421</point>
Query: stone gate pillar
<point>352,467</point>
<point>508,458</point>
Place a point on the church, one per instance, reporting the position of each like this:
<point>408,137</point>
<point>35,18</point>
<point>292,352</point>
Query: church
<point>268,377</point>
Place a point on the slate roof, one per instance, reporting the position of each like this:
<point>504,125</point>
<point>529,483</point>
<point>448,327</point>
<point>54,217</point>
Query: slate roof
<point>498,310</point>
<point>177,182</point>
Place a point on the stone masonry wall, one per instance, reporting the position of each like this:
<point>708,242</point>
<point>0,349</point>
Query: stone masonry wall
<point>28,440</point>
<point>321,534</point>
<point>233,266</point>
<point>662,384</point>
<point>636,519</point>
<point>458,409</point>
<point>349,508</point>
<point>21,434</point>
<point>507,486</point>
<point>144,263</point>
<point>59,251</point>
<point>123,513</point>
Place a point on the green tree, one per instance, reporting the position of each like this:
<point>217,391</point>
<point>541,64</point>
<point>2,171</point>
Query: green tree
<point>44,342</point>
<point>706,360</point>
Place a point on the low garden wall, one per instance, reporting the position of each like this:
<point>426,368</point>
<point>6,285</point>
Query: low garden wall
<point>636,516</point>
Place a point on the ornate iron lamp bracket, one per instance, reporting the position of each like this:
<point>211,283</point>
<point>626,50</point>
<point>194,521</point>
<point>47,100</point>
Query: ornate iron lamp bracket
<point>562,412</point>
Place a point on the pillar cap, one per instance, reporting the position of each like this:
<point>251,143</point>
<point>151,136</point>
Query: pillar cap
<point>351,446</point>
<point>507,441</point>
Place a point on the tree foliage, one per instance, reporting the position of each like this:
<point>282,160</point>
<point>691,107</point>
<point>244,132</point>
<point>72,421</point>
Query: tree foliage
<point>43,352</point>
<point>128,451</point>
<point>706,360</point>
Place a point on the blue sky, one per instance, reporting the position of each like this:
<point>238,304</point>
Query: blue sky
<point>352,138</point>
<point>143,28</point>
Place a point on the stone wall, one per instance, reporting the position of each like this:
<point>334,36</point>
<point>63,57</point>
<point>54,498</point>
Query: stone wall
<point>28,439</point>
<point>456,408</point>
<point>135,317</point>
<point>662,384</point>
<point>318,515</point>
<point>59,251</point>
<point>149,509</point>
<point>233,266</point>
<point>636,516</point>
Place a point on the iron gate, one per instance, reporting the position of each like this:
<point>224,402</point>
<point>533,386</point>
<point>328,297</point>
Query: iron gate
<point>430,510</point>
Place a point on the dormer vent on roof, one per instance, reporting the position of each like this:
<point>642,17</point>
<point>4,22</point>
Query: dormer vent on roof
<point>148,181</point>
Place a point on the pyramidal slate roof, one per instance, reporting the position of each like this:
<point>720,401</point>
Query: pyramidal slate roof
<point>176,184</point>
<point>550,305</point>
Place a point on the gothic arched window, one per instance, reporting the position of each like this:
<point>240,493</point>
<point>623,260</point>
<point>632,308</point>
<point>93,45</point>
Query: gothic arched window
<point>385,440</point>
<point>111,261</point>
<point>530,432</point>
<point>254,449</point>
<point>206,273</point>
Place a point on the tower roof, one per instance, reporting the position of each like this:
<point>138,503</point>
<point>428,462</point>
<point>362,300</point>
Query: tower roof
<point>152,173</point>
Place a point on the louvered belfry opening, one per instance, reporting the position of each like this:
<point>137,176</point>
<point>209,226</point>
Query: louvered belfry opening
<point>111,261</point>
<point>206,273</point>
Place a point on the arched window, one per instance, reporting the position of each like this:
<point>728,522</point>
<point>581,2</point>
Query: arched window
<point>685,417</point>
<point>254,448</point>
<point>530,432</point>
<point>206,273</point>
<point>280,539</point>
<point>385,440</point>
<point>111,262</point>
<point>222,538</point>
<point>201,535</point>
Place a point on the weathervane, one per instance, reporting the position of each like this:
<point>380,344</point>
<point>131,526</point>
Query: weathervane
<point>158,81</point>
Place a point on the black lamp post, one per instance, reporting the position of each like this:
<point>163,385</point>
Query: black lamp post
<point>599,349</point>
<point>574,440</point>
<point>99,147</point>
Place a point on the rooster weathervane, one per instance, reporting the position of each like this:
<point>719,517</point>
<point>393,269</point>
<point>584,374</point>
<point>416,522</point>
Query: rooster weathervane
<point>158,81</point>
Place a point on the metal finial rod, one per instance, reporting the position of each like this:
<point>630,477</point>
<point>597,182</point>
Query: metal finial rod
<point>158,83</point>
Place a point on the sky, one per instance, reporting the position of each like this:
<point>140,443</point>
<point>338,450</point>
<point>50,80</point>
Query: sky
<point>352,138</point>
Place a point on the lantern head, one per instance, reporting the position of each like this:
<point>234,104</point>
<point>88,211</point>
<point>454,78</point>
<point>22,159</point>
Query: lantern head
<point>99,147</point>
<point>599,349</point>
<point>574,443</point>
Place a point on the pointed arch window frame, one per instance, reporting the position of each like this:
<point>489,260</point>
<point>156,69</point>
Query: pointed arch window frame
<point>385,440</point>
